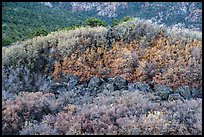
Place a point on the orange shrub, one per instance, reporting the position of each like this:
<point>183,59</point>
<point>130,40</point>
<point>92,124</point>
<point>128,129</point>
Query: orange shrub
<point>164,61</point>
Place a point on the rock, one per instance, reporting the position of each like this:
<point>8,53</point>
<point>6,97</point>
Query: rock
<point>61,90</point>
<point>108,86</point>
<point>163,91</point>
<point>91,92</point>
<point>184,91</point>
<point>70,81</point>
<point>94,86</point>
<point>132,87</point>
<point>155,99</point>
<point>175,96</point>
<point>196,92</point>
<point>56,88</point>
<point>110,80</point>
<point>55,85</point>
<point>79,87</point>
<point>80,90</point>
<point>69,77</point>
<point>139,86</point>
<point>71,84</point>
<point>94,83</point>
<point>163,70</point>
<point>106,92</point>
<point>120,82</point>
<point>200,94</point>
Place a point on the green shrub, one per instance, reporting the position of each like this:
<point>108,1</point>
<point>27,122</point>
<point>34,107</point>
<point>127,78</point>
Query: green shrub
<point>39,32</point>
<point>125,19</point>
<point>6,42</point>
<point>115,22</point>
<point>93,22</point>
<point>72,27</point>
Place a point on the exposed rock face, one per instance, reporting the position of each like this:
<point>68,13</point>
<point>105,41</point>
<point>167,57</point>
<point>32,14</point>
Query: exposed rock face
<point>162,91</point>
<point>108,86</point>
<point>175,96</point>
<point>120,82</point>
<point>139,86</point>
<point>71,82</point>
<point>94,83</point>
<point>187,12</point>
<point>196,92</point>
<point>97,85</point>
<point>184,91</point>
<point>103,8</point>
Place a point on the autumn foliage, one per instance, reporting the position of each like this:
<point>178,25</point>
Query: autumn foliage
<point>164,61</point>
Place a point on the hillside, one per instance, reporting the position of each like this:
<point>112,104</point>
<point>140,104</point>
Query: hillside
<point>20,19</point>
<point>135,78</point>
<point>169,13</point>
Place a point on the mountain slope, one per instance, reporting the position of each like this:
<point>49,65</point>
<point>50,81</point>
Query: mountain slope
<point>135,78</point>
<point>20,19</point>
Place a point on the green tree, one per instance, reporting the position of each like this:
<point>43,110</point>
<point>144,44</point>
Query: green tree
<point>115,22</point>
<point>72,27</point>
<point>93,22</point>
<point>6,42</point>
<point>39,32</point>
<point>125,19</point>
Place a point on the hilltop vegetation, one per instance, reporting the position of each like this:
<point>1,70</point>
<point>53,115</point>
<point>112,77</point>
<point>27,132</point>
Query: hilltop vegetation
<point>136,77</point>
<point>21,19</point>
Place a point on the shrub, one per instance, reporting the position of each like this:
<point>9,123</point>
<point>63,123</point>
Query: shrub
<point>6,42</point>
<point>27,107</point>
<point>94,22</point>
<point>118,112</point>
<point>20,79</point>
<point>157,63</point>
<point>125,19</point>
<point>38,129</point>
<point>34,54</point>
<point>39,32</point>
<point>115,22</point>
